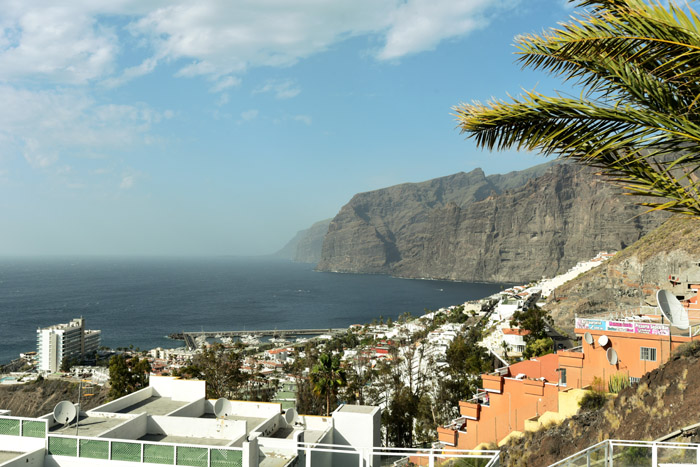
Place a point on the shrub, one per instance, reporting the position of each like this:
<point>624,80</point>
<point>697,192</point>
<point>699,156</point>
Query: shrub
<point>690,349</point>
<point>592,400</point>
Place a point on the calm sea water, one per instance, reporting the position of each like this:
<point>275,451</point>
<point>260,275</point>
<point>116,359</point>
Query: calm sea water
<point>140,301</point>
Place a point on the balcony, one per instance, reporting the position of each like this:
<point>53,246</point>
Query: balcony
<point>447,435</point>
<point>469,410</point>
<point>492,383</point>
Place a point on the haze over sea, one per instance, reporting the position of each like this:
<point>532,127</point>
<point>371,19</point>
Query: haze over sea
<point>140,301</point>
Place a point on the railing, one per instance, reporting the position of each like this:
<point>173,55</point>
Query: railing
<point>20,426</point>
<point>143,451</point>
<point>621,453</point>
<point>482,398</point>
<point>392,456</point>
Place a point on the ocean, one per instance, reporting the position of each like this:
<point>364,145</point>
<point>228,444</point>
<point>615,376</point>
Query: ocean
<point>140,301</point>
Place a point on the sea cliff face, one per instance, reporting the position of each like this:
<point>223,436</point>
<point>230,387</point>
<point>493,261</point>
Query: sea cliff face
<point>508,228</point>
<point>306,245</point>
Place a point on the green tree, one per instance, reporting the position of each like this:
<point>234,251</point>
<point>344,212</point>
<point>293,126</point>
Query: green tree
<point>538,347</point>
<point>327,377</point>
<point>398,418</point>
<point>637,116</point>
<point>127,375</point>
<point>221,369</point>
<point>466,361</point>
<point>535,319</point>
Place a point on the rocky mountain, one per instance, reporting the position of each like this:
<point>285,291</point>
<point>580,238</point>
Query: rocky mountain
<point>632,277</point>
<point>505,228</point>
<point>306,245</point>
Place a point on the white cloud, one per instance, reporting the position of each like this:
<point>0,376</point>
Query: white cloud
<point>281,89</point>
<point>78,41</point>
<point>44,126</point>
<point>249,115</point>
<point>225,83</point>
<point>56,41</point>
<point>128,181</point>
<point>419,25</point>
<point>305,119</point>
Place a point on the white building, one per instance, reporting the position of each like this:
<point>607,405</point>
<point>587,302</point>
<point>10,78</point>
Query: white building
<point>64,341</point>
<point>172,422</point>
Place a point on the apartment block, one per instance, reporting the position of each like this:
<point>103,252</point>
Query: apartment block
<point>65,341</point>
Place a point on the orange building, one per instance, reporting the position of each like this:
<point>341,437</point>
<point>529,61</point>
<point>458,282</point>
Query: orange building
<point>631,343</point>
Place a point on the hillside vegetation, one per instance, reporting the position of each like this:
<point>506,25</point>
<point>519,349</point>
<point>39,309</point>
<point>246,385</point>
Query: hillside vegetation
<point>632,277</point>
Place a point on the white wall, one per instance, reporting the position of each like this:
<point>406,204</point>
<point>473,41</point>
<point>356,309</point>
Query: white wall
<point>269,426</point>
<point>194,409</point>
<point>30,459</point>
<point>314,422</point>
<point>132,428</point>
<point>178,389</point>
<point>21,443</point>
<point>328,458</point>
<point>196,427</point>
<point>124,402</point>
<point>357,429</point>
<point>253,409</point>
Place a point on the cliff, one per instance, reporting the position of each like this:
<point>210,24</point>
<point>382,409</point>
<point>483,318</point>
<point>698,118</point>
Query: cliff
<point>506,228</point>
<point>306,245</point>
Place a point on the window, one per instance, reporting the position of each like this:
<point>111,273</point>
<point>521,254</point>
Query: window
<point>562,376</point>
<point>647,353</point>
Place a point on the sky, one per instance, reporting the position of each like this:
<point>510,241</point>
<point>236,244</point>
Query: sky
<point>223,127</point>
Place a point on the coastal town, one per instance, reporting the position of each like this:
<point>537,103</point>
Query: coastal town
<point>414,349</point>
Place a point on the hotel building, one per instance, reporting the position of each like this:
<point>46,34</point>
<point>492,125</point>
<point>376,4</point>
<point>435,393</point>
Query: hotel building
<point>64,341</point>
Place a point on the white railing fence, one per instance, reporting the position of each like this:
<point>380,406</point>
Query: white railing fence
<point>313,455</point>
<point>622,453</point>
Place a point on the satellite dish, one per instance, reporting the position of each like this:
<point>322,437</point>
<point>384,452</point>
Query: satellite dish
<point>64,412</point>
<point>603,340</point>
<point>588,338</point>
<point>672,309</point>
<point>290,416</point>
<point>612,356</point>
<point>222,407</point>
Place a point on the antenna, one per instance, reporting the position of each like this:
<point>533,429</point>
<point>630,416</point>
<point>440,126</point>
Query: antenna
<point>290,416</point>
<point>672,309</point>
<point>603,340</point>
<point>612,356</point>
<point>588,338</point>
<point>222,407</point>
<point>64,412</point>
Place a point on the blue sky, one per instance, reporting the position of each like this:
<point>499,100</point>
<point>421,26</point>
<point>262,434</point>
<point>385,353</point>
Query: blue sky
<point>149,127</point>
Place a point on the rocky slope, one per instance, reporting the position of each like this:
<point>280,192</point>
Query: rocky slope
<point>40,398</point>
<point>509,228</point>
<point>306,245</point>
<point>665,400</point>
<point>633,275</point>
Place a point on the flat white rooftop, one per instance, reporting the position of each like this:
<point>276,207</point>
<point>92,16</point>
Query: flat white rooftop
<point>185,440</point>
<point>154,405</point>
<point>92,425</point>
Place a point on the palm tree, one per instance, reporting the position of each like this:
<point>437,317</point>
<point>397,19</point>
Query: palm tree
<point>326,377</point>
<point>638,116</point>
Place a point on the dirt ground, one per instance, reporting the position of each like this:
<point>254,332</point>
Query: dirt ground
<point>665,400</point>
